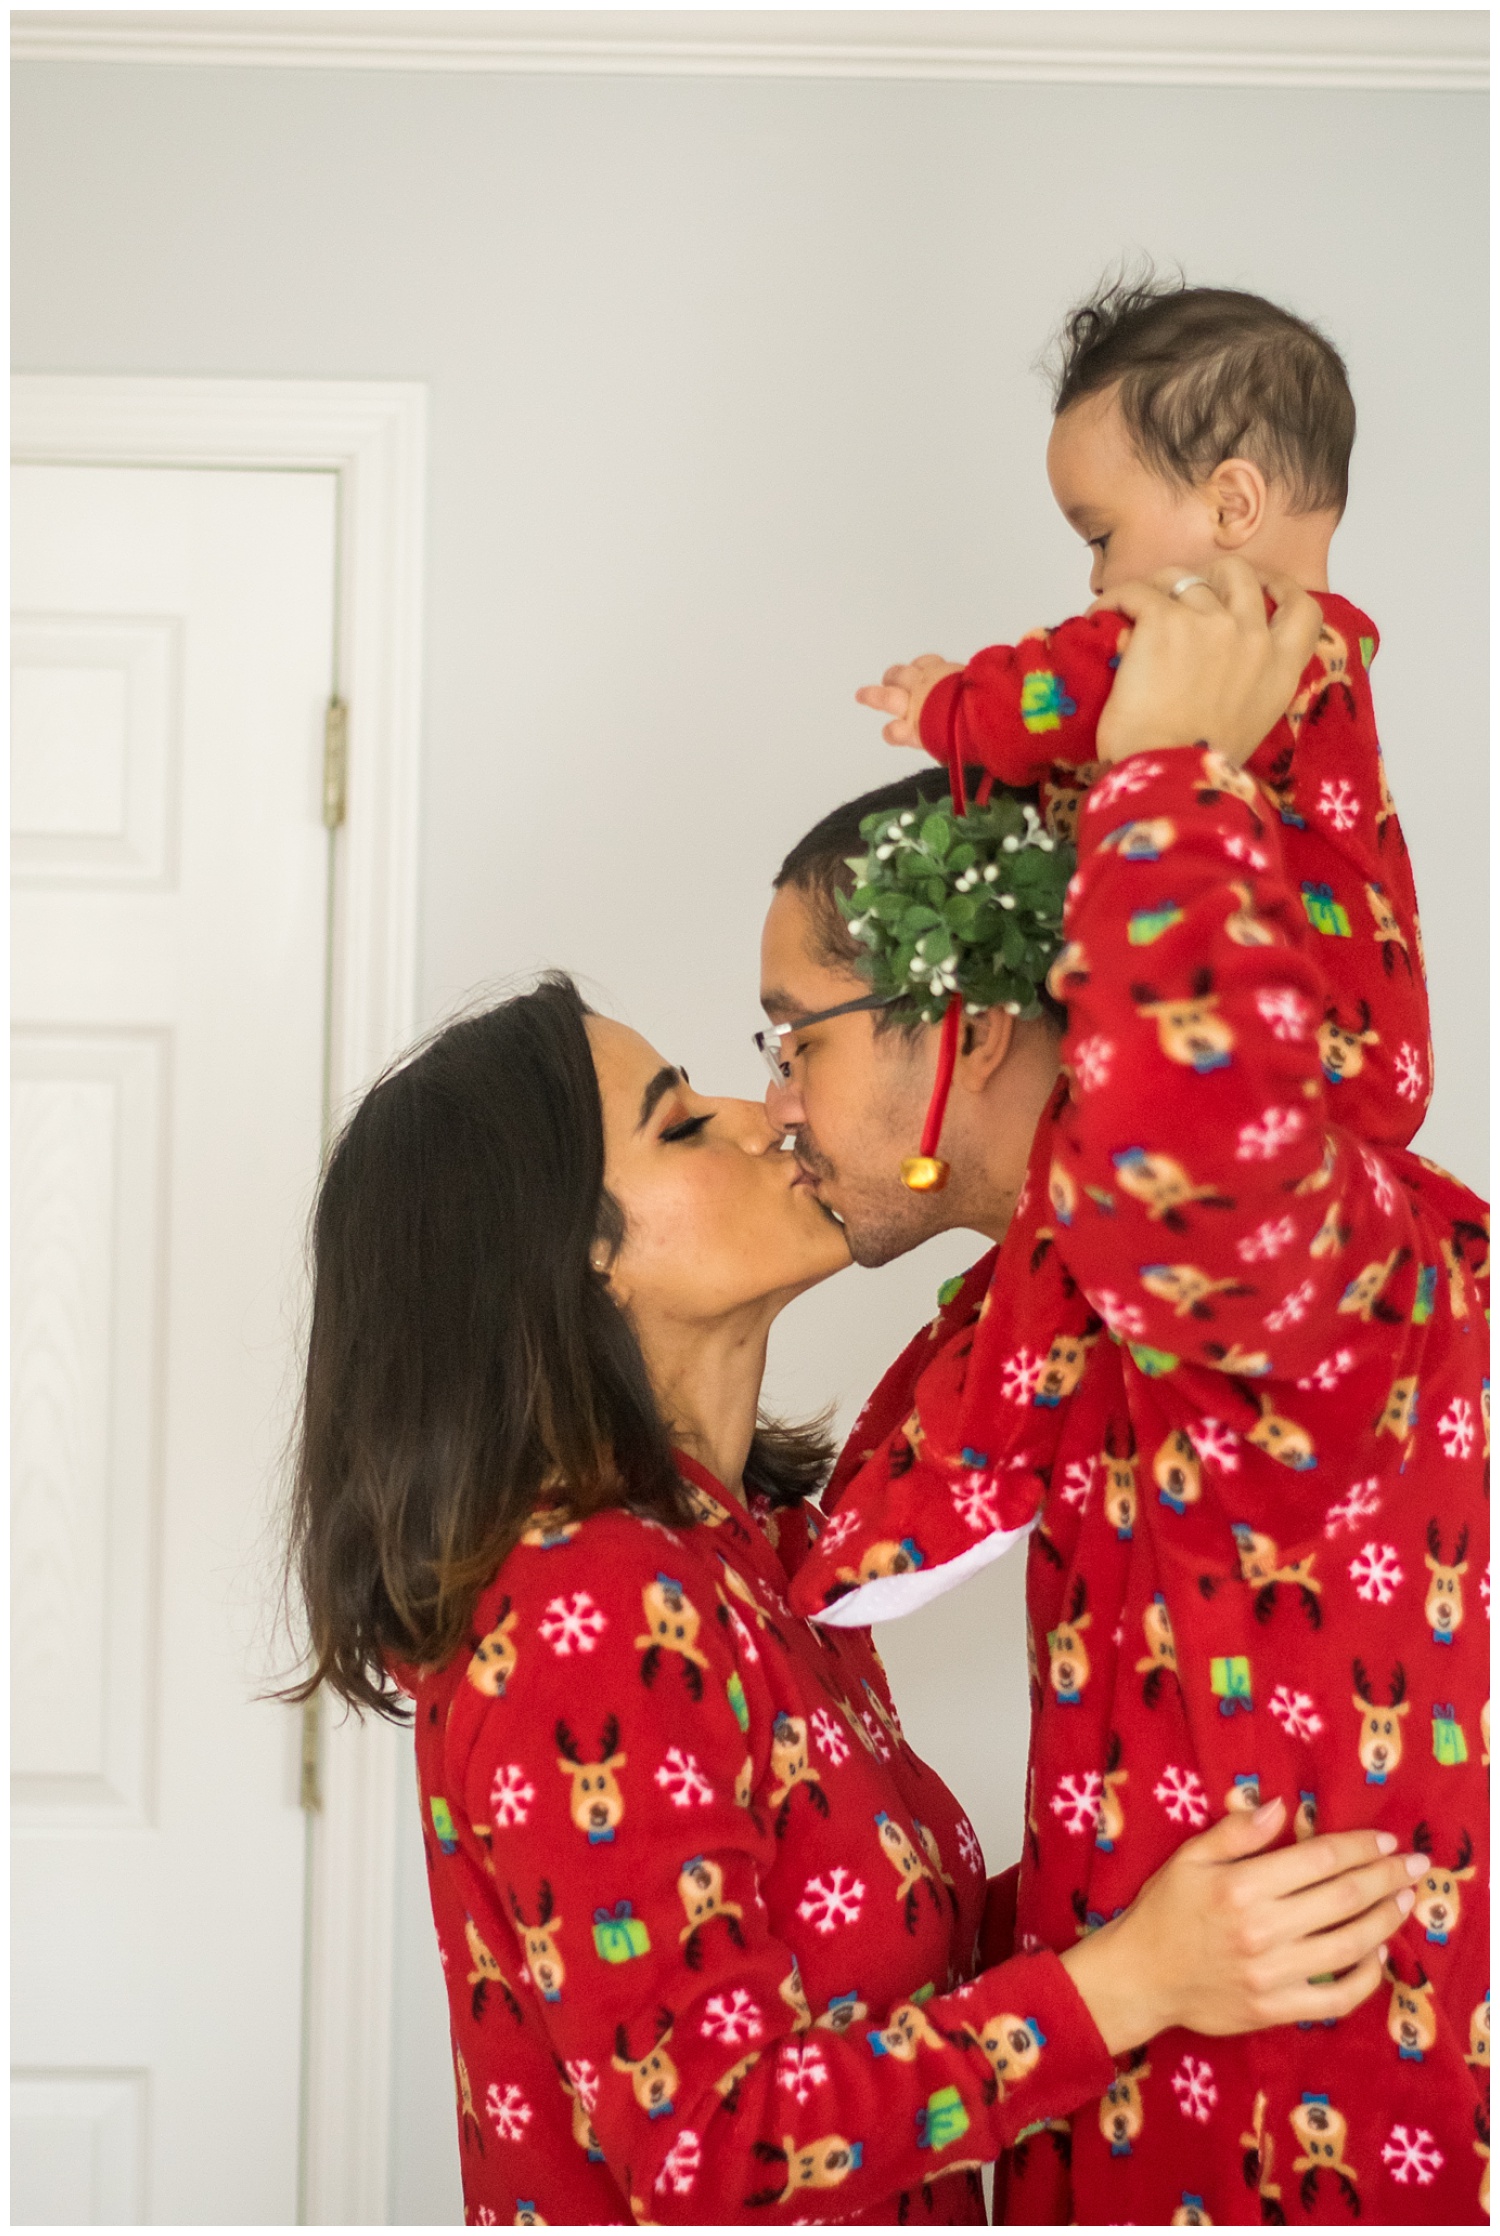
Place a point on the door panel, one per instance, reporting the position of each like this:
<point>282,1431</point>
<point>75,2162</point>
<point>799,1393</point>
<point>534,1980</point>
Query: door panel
<point>173,648</point>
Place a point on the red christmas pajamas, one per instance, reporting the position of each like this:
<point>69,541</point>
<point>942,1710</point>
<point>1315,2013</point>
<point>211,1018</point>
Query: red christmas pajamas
<point>1029,713</point>
<point>704,1916</point>
<point>1229,1368</point>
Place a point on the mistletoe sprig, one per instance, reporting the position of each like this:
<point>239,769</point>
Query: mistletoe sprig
<point>960,904</point>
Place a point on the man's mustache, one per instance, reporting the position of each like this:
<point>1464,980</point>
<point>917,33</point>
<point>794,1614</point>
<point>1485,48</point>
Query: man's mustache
<point>811,1158</point>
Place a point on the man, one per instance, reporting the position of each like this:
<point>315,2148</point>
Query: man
<point>1227,1365</point>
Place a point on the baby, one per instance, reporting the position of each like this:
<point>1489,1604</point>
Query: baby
<point>1191,422</point>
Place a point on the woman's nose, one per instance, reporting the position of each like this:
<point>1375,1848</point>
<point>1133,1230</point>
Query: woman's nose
<point>751,1126</point>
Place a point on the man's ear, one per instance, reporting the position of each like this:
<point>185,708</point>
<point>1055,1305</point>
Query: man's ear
<point>983,1046</point>
<point>1238,499</point>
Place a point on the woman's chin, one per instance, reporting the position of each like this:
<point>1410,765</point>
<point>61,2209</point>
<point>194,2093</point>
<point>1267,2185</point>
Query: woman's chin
<point>829,1252</point>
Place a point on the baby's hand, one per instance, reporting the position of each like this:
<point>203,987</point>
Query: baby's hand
<point>900,693</point>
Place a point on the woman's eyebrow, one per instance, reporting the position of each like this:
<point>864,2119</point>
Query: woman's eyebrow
<point>669,1076</point>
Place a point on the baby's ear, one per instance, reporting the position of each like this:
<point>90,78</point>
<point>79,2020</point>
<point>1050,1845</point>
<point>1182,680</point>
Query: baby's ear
<point>1239,499</point>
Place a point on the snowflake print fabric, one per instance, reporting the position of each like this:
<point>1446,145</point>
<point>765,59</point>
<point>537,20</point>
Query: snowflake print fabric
<point>833,1900</point>
<point>686,1992</point>
<point>1193,2086</point>
<point>1237,1406</point>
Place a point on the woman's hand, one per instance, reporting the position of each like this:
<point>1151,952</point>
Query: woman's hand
<point>1209,667</point>
<point>1225,1940</point>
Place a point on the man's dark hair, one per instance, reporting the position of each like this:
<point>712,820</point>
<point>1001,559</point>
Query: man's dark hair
<point>818,868</point>
<point>466,1361</point>
<point>1209,373</point>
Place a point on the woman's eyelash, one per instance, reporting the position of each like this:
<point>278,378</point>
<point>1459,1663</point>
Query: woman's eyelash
<point>686,1128</point>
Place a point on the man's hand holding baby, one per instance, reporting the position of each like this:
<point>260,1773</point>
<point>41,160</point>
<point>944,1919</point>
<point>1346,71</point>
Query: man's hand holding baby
<point>1206,663</point>
<point>901,692</point>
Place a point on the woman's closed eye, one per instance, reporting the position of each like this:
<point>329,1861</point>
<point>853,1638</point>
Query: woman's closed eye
<point>685,1128</point>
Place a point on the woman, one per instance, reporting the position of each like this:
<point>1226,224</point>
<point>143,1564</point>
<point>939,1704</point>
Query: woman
<point>707,1923</point>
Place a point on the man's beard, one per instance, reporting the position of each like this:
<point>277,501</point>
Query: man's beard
<point>875,1232</point>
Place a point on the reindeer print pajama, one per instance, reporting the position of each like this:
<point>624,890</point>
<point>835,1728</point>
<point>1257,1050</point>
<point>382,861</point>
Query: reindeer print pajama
<point>708,1925</point>
<point>1028,713</point>
<point>1229,1370</point>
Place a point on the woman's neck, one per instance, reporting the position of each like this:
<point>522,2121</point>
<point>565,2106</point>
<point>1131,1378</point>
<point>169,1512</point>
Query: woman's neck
<point>707,1382</point>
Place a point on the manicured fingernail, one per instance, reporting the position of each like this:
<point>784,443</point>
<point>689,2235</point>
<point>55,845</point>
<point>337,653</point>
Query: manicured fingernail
<point>1387,1843</point>
<point>1416,1865</point>
<point>1382,1953</point>
<point>1267,1810</point>
<point>1406,1901</point>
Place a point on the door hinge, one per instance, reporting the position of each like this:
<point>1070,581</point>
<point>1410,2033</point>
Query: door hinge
<point>335,763</point>
<point>310,1796</point>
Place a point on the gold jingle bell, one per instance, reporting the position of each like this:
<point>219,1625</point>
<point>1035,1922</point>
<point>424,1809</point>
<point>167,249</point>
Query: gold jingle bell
<point>924,1175</point>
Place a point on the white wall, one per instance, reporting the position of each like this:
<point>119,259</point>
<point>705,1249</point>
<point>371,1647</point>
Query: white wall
<point>731,405</point>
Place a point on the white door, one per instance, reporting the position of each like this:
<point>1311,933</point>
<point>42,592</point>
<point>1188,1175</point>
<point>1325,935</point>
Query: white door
<point>173,653</point>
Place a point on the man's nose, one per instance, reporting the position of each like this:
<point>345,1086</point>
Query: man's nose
<point>784,1107</point>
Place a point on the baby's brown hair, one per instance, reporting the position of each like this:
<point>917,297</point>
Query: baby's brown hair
<point>1209,373</point>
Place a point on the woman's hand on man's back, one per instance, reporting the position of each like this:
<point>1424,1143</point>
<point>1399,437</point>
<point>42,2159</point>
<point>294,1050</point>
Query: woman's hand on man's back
<point>1224,1939</point>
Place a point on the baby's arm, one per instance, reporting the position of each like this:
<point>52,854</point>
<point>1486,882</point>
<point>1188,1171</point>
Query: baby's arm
<point>1017,710</point>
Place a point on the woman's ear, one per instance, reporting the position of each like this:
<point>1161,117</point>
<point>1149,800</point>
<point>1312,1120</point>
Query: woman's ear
<point>1238,500</point>
<point>983,1047</point>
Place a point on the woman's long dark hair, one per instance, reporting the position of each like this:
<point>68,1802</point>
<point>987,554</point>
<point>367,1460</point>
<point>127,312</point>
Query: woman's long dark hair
<point>465,1360</point>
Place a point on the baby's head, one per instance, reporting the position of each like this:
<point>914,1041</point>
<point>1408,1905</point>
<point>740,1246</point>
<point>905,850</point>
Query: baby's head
<point>1195,421</point>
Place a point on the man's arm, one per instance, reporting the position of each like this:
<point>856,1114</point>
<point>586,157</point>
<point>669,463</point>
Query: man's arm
<point>1201,1180</point>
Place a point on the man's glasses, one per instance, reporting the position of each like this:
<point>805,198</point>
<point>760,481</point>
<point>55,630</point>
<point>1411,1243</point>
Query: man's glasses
<point>770,1042</point>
